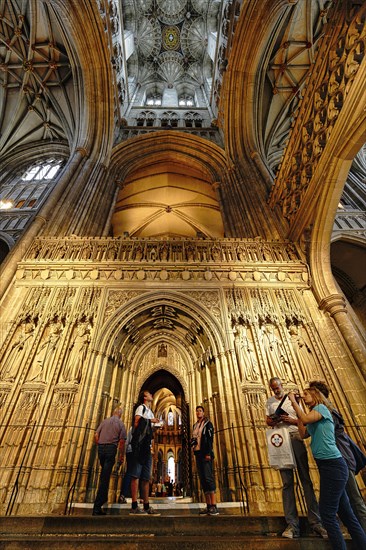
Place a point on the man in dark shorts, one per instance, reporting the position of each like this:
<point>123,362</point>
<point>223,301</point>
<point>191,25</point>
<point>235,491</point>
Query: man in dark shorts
<point>141,461</point>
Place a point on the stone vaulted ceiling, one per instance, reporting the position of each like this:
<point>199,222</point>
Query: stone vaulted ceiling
<point>164,45</point>
<point>171,39</point>
<point>36,89</point>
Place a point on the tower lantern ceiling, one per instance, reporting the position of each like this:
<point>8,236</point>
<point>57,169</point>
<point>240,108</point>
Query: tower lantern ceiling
<point>173,41</point>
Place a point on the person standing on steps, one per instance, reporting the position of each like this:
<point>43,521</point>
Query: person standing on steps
<point>290,422</point>
<point>333,470</point>
<point>343,443</point>
<point>126,482</point>
<point>110,435</point>
<point>141,461</point>
<point>202,445</point>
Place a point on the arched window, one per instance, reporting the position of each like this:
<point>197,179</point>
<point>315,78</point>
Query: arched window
<point>169,119</point>
<point>186,100</point>
<point>153,99</point>
<point>146,118</point>
<point>193,120</point>
<point>171,466</point>
<point>42,171</point>
<point>24,191</point>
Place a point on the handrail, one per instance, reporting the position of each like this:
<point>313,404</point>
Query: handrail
<point>243,488</point>
<point>69,499</point>
<point>15,490</point>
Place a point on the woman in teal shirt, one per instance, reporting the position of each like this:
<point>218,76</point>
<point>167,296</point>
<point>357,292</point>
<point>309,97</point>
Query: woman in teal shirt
<point>333,469</point>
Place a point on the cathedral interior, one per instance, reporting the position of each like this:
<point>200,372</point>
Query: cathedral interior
<point>182,209</point>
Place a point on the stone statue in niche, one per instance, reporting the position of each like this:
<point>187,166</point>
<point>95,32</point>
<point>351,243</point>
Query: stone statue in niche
<point>245,353</point>
<point>138,254</point>
<point>153,254</point>
<point>274,352</point>
<point>162,350</point>
<point>164,252</point>
<point>77,353</point>
<point>240,253</point>
<point>43,360</point>
<point>112,251</point>
<point>19,350</point>
<point>304,354</point>
<point>85,251</point>
<point>190,254</point>
<point>216,254</point>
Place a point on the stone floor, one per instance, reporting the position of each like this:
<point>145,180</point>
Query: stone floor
<point>179,527</point>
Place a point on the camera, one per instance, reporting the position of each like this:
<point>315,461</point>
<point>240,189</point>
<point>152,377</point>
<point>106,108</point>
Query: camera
<point>194,441</point>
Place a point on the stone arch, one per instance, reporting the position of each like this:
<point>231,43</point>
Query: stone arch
<point>144,375</point>
<point>200,381</point>
<point>135,305</point>
<point>190,149</point>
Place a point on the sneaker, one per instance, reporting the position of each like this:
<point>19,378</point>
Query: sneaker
<point>320,531</point>
<point>203,511</point>
<point>98,512</point>
<point>151,512</point>
<point>137,512</point>
<point>290,533</point>
<point>213,511</point>
<point>122,499</point>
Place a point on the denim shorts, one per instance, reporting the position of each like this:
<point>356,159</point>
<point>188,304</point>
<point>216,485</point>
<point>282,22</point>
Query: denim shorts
<point>141,471</point>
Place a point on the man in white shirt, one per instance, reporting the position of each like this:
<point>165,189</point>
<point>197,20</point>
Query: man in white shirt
<point>289,420</point>
<point>142,459</point>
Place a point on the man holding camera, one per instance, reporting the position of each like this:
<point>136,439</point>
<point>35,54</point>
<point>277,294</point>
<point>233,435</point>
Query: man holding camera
<point>287,418</point>
<point>202,445</point>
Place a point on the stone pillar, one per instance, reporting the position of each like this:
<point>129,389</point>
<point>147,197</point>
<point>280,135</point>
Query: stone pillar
<point>335,305</point>
<point>108,223</point>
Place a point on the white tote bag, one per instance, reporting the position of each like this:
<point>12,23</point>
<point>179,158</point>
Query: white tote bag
<point>280,453</point>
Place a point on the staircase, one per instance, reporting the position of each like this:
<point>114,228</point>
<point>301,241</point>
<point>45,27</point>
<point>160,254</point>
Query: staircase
<point>178,528</point>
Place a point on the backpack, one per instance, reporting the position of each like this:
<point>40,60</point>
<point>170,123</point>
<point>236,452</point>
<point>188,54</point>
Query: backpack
<point>141,439</point>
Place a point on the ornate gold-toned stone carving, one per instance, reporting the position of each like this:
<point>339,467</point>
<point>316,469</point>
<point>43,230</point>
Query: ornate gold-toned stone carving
<point>305,356</point>
<point>246,354</point>
<point>75,361</point>
<point>338,65</point>
<point>18,350</point>
<point>42,364</point>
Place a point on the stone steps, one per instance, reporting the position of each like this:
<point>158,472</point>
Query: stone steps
<point>166,532</point>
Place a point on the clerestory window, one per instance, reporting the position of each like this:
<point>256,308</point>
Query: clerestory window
<point>26,191</point>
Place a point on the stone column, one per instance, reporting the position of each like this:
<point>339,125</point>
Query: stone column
<point>108,223</point>
<point>335,305</point>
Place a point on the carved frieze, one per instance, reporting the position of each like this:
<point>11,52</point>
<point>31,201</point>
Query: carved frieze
<point>76,260</point>
<point>77,249</point>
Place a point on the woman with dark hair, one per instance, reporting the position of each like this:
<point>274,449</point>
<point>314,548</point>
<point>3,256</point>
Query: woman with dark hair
<point>202,445</point>
<point>333,470</point>
<point>343,442</point>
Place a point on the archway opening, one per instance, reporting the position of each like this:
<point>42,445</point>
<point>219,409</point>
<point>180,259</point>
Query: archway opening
<point>171,454</point>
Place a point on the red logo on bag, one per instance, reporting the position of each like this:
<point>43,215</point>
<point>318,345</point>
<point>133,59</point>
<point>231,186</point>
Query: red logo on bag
<point>276,440</point>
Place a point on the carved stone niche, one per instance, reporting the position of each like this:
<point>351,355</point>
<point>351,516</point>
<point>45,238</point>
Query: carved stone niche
<point>255,400</point>
<point>4,392</point>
